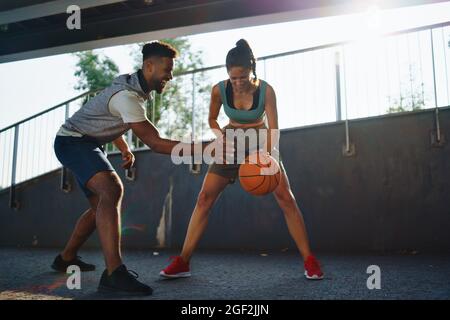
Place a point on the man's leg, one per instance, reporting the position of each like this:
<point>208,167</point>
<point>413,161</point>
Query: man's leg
<point>83,229</point>
<point>116,278</point>
<point>109,189</point>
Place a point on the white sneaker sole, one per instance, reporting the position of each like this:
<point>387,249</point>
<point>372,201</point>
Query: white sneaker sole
<point>178,275</point>
<point>314,277</point>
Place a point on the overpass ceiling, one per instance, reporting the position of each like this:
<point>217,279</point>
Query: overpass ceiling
<point>36,28</point>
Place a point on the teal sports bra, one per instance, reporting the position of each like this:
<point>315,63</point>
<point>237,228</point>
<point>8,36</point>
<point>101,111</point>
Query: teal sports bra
<point>244,116</point>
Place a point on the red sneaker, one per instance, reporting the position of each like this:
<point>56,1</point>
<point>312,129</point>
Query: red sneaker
<point>312,269</point>
<point>177,269</point>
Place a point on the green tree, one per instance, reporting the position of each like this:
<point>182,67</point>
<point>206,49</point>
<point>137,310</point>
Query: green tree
<point>413,100</point>
<point>94,72</point>
<point>402,104</point>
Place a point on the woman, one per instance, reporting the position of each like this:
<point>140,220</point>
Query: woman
<point>247,101</point>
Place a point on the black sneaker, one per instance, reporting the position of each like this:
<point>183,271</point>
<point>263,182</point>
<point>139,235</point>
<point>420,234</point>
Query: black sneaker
<point>123,281</point>
<point>60,265</point>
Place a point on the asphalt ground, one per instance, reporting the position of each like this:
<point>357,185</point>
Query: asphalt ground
<point>236,275</point>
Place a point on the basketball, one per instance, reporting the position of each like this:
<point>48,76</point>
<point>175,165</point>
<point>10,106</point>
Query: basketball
<point>260,174</point>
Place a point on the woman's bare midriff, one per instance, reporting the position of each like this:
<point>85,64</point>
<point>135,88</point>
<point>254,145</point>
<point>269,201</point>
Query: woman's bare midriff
<point>246,125</point>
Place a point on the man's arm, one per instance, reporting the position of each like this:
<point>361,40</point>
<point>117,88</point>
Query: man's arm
<point>127,155</point>
<point>122,145</point>
<point>149,134</point>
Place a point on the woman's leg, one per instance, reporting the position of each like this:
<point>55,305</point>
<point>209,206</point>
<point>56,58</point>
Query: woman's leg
<point>293,215</point>
<point>213,185</point>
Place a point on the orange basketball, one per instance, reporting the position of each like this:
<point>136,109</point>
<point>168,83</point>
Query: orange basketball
<point>260,174</point>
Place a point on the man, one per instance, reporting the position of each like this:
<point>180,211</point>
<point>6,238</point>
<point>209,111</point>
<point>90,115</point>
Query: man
<point>78,146</point>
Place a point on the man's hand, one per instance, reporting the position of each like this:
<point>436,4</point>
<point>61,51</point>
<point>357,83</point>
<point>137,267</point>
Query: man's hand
<point>128,159</point>
<point>127,156</point>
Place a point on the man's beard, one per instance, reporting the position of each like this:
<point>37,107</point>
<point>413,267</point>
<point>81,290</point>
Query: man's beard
<point>159,86</point>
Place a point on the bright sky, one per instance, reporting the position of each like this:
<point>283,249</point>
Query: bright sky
<point>30,86</point>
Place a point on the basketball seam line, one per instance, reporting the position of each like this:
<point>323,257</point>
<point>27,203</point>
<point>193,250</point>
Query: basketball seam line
<point>258,185</point>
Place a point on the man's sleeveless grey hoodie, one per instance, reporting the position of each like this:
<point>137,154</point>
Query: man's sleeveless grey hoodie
<point>94,118</point>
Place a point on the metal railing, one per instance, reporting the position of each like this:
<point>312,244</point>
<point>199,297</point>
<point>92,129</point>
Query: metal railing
<point>400,71</point>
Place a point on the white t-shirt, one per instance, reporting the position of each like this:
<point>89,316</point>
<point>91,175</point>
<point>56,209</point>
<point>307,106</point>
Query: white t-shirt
<point>125,104</point>
<point>128,105</point>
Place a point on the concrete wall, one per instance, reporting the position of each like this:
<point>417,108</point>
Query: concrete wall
<point>392,195</point>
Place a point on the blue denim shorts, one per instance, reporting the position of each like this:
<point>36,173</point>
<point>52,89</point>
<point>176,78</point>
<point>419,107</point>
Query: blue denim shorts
<point>83,156</point>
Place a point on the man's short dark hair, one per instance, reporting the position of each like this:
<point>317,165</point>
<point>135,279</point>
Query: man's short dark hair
<point>158,49</point>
